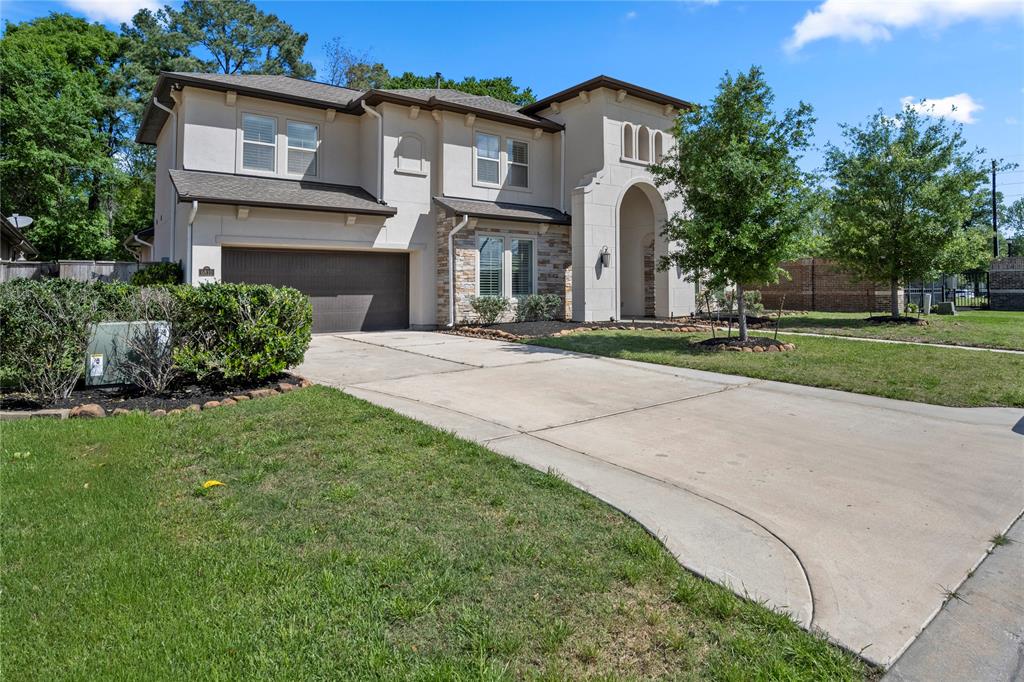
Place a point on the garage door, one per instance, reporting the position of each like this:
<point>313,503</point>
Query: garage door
<point>349,290</point>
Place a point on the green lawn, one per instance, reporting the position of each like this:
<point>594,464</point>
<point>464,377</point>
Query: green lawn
<point>985,328</point>
<point>347,543</point>
<point>943,376</point>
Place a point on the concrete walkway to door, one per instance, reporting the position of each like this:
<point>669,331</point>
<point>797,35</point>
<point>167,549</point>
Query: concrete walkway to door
<point>854,513</point>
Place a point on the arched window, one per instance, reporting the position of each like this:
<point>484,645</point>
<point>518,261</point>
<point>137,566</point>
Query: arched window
<point>659,146</point>
<point>644,143</point>
<point>410,153</point>
<point>627,141</point>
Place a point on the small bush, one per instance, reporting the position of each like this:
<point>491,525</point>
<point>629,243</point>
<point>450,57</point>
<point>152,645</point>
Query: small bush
<point>755,306</point>
<point>158,273</point>
<point>147,359</point>
<point>45,327</point>
<point>913,308</point>
<point>241,331</point>
<point>726,301</point>
<point>489,309</point>
<point>538,307</point>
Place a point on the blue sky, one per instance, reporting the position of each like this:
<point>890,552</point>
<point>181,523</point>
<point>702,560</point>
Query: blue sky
<point>846,59</point>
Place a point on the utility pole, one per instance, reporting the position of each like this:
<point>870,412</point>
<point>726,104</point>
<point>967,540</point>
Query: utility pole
<point>995,215</point>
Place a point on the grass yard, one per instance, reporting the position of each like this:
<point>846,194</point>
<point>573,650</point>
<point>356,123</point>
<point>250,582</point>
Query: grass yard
<point>985,328</point>
<point>348,543</point>
<point>943,376</point>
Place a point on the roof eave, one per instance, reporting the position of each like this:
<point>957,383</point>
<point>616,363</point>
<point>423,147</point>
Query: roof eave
<point>375,97</point>
<point>612,84</point>
<point>386,211</point>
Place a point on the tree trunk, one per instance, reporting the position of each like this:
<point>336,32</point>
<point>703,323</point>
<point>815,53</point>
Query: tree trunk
<point>894,285</point>
<point>741,311</point>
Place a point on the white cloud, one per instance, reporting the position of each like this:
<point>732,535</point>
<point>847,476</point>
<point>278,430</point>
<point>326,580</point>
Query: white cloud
<point>1011,120</point>
<point>110,11</point>
<point>870,20</point>
<point>959,108</point>
<point>630,15</point>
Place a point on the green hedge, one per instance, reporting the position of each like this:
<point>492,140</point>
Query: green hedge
<point>220,332</point>
<point>158,273</point>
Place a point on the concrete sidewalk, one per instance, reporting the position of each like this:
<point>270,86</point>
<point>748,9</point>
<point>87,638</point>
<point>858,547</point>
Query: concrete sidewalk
<point>851,512</point>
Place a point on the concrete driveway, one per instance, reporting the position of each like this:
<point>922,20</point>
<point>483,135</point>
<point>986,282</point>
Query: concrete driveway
<point>853,513</point>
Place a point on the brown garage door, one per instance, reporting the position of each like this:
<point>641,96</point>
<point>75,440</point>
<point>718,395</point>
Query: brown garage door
<point>349,290</point>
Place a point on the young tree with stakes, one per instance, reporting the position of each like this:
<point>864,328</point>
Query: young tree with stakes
<point>735,166</point>
<point>904,190</point>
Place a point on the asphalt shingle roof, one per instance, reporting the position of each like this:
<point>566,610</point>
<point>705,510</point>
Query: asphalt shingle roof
<point>246,190</point>
<point>504,210</point>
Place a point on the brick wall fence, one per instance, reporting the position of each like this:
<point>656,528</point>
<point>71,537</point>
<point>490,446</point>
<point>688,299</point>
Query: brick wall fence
<point>1006,283</point>
<point>818,284</point>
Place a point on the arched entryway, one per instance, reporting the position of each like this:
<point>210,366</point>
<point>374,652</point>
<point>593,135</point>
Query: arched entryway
<point>640,216</point>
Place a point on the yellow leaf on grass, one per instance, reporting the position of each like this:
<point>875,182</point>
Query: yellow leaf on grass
<point>211,483</point>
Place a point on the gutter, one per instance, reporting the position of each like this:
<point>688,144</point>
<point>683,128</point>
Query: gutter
<point>380,149</point>
<point>451,269</point>
<point>561,167</point>
<point>188,241</point>
<point>174,164</point>
<point>138,242</point>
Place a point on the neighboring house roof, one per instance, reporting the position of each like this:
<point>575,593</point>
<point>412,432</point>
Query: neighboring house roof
<point>612,84</point>
<point>246,190</point>
<point>504,210</point>
<point>325,96</point>
<point>12,234</point>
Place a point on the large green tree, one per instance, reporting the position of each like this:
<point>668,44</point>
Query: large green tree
<point>241,38</point>
<point>904,189</point>
<point>1013,226</point>
<point>734,165</point>
<point>62,121</point>
<point>360,72</point>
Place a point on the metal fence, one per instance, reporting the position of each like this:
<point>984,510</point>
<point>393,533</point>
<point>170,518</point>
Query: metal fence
<point>965,291</point>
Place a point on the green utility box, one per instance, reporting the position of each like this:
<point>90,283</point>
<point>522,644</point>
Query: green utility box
<point>112,343</point>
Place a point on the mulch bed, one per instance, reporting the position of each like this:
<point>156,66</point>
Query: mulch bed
<point>129,398</point>
<point>514,331</point>
<point>888,319</point>
<point>753,344</point>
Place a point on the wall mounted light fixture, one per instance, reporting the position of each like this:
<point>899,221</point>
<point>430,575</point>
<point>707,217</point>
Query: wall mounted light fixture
<point>606,257</point>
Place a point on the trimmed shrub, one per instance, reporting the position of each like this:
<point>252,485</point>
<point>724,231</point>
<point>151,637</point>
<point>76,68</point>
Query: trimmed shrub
<point>221,332</point>
<point>44,331</point>
<point>158,273</point>
<point>241,331</point>
<point>538,307</point>
<point>489,309</point>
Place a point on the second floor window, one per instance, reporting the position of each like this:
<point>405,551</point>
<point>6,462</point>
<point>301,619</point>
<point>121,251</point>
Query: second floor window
<point>487,147</point>
<point>302,139</point>
<point>259,134</point>
<point>518,163</point>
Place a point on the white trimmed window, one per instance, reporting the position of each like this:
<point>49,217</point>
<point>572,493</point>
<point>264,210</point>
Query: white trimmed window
<point>259,142</point>
<point>507,266</point>
<point>518,163</point>
<point>521,255</point>
<point>487,158</point>
<point>302,144</point>
<point>491,269</point>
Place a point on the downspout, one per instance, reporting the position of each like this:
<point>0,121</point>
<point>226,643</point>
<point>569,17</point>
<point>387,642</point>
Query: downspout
<point>561,164</point>
<point>380,149</point>
<point>174,161</point>
<point>451,269</point>
<point>188,242</point>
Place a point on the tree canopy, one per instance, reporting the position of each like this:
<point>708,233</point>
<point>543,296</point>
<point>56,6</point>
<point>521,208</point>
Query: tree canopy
<point>735,166</point>
<point>905,190</point>
<point>1013,225</point>
<point>359,72</point>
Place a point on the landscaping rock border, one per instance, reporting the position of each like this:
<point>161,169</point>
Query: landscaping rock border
<point>752,345</point>
<point>95,411</point>
<point>502,335</point>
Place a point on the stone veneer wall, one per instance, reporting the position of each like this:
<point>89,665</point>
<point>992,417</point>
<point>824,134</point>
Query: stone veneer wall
<point>554,264</point>
<point>819,284</point>
<point>1006,283</point>
<point>649,306</point>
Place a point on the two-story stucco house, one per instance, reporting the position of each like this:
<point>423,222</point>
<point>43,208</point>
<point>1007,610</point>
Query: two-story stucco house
<point>378,204</point>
